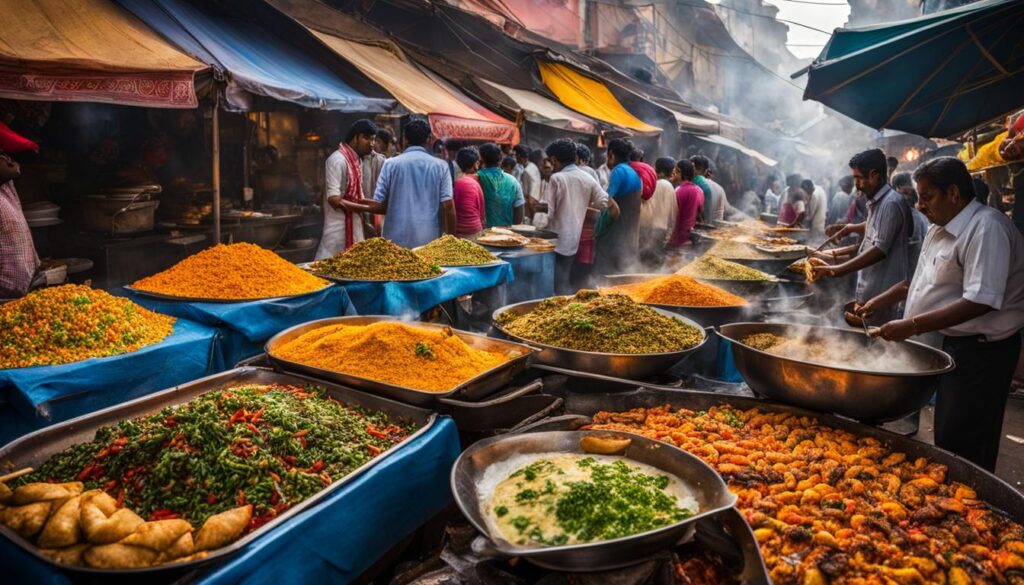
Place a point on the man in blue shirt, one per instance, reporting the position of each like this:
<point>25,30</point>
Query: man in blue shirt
<point>618,242</point>
<point>414,191</point>
<point>701,164</point>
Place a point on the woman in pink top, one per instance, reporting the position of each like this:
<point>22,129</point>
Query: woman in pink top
<point>689,201</point>
<point>468,195</point>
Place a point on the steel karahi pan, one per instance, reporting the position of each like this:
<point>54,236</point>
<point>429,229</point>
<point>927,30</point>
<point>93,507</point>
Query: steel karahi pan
<point>707,486</point>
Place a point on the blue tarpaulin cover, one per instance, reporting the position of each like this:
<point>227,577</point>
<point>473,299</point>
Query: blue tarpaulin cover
<point>37,397</point>
<point>331,542</point>
<point>941,74</point>
<point>257,58</point>
<point>410,299</point>
<point>243,328</point>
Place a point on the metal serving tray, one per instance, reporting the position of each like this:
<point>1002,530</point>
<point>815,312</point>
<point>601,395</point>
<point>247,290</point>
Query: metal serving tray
<point>162,297</point>
<point>619,365</point>
<point>707,486</point>
<point>579,407</point>
<point>475,388</point>
<point>307,266</point>
<point>35,448</point>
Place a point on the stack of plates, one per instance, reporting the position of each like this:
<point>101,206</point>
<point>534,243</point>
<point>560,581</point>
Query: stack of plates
<point>42,214</point>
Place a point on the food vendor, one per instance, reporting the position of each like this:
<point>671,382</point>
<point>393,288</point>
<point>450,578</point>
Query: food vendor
<point>968,286</point>
<point>343,221</point>
<point>882,258</point>
<point>19,263</point>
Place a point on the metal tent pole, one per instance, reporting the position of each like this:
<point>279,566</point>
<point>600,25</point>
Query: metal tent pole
<point>216,168</point>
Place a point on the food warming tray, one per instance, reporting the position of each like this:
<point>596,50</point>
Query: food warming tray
<point>475,388</point>
<point>33,449</point>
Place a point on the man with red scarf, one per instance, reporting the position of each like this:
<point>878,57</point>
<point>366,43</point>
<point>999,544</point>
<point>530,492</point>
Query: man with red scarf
<point>343,222</point>
<point>19,264</point>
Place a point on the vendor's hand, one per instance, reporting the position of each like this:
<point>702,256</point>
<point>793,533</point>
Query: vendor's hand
<point>336,202</point>
<point>820,268</point>
<point>865,310</point>
<point>838,230</point>
<point>826,257</point>
<point>897,330</point>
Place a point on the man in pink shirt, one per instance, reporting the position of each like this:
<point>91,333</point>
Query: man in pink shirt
<point>467,193</point>
<point>689,202</point>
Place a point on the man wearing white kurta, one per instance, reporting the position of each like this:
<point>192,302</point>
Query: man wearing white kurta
<point>343,222</point>
<point>968,286</point>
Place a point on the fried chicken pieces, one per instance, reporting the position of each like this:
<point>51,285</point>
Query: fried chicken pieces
<point>829,507</point>
<point>76,527</point>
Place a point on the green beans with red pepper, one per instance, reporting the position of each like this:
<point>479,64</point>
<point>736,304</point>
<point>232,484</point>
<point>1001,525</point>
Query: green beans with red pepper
<point>271,446</point>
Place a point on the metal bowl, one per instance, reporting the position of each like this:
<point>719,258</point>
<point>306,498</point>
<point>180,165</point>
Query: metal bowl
<point>748,289</point>
<point>619,365</point>
<point>865,395</point>
<point>705,316</point>
<point>709,490</point>
<point>771,266</point>
<point>479,386</point>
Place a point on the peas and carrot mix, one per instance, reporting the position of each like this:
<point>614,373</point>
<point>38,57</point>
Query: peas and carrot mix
<point>271,446</point>
<point>70,323</point>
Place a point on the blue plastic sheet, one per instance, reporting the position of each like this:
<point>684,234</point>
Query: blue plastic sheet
<point>37,397</point>
<point>243,328</point>
<point>535,275</point>
<point>333,541</point>
<point>410,299</point>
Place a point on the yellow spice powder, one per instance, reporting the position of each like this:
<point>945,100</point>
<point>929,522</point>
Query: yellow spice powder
<point>394,353</point>
<point>232,272</point>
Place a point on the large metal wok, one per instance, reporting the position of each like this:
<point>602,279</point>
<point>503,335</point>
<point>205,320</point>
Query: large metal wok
<point>866,395</point>
<point>483,384</point>
<point>709,490</point>
<point>618,365</point>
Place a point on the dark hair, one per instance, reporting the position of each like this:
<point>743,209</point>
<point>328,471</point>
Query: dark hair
<point>563,150</point>
<point>901,180</point>
<point>621,148</point>
<point>467,157</point>
<point>870,160</point>
<point>362,127</point>
<point>846,183</point>
<point>417,132</point>
<point>490,154</point>
<point>946,171</point>
<point>686,169</point>
<point>453,145</point>
<point>794,180</point>
<point>636,155</point>
<point>700,162</point>
<point>664,165</point>
<point>807,185</point>
<point>892,161</point>
<point>522,150</point>
<point>981,190</point>
<point>583,153</point>
<point>385,136</point>
<point>508,163</point>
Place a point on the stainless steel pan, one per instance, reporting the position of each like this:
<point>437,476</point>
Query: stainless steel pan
<point>710,491</point>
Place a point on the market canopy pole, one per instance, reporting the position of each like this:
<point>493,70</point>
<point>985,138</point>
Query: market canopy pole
<point>216,167</point>
<point>937,75</point>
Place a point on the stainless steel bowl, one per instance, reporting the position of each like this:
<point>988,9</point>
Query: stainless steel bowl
<point>705,316</point>
<point>619,365</point>
<point>709,490</point>
<point>865,395</point>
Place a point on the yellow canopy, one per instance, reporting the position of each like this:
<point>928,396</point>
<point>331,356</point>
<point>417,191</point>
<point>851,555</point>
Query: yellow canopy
<point>89,50</point>
<point>589,96</point>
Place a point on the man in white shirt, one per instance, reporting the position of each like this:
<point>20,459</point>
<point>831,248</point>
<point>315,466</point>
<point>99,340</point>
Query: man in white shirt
<point>583,161</point>
<point>530,179</point>
<point>968,286</point>
<point>817,208</point>
<point>658,215</point>
<point>570,192</point>
<point>343,222</point>
<point>603,172</point>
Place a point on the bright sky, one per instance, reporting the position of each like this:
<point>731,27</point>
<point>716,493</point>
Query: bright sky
<point>825,15</point>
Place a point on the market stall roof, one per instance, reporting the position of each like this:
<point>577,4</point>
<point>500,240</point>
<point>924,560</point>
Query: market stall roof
<point>938,75</point>
<point>257,58</point>
<point>90,51</point>
<point>541,110</point>
<point>589,96</point>
<point>451,113</point>
<point>723,141</point>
